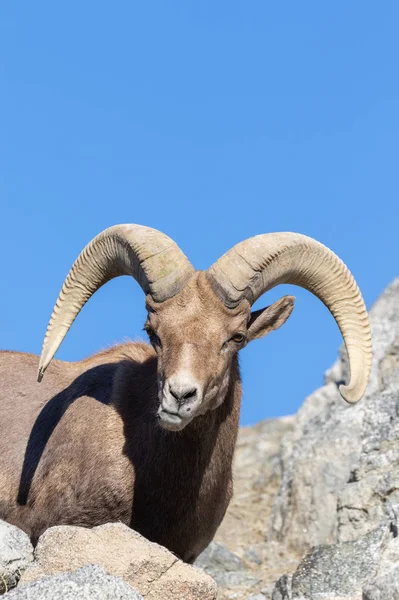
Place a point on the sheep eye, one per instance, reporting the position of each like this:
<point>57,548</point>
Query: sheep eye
<point>238,338</point>
<point>154,339</point>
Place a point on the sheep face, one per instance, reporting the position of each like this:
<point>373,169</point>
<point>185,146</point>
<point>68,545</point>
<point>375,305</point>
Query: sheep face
<point>196,337</point>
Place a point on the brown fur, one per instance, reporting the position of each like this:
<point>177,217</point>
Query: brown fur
<point>85,446</point>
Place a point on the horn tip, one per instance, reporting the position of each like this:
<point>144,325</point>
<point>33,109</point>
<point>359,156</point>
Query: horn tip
<point>349,394</point>
<point>40,373</point>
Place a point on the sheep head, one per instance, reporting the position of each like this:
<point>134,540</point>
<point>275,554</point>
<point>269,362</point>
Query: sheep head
<point>198,320</point>
<point>196,336</point>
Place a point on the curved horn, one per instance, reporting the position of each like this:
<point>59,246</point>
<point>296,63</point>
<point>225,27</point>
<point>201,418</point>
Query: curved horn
<point>151,257</point>
<point>258,264</point>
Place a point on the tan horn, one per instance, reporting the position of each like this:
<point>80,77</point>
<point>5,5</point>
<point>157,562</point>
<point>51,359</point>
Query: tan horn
<point>258,264</point>
<point>151,257</point>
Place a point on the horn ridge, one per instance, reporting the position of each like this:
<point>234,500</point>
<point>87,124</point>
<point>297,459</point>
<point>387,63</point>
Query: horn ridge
<point>258,264</point>
<point>152,258</point>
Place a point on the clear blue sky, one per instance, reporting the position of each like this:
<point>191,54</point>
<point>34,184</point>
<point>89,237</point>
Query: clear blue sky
<point>212,121</point>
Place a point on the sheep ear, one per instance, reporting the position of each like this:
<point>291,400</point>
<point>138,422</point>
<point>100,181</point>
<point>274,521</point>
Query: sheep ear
<point>272,317</point>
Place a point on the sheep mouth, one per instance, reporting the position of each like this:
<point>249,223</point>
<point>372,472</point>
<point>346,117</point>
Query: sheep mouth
<point>171,421</point>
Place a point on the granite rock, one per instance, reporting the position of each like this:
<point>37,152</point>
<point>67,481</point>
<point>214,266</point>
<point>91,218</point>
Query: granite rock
<point>88,583</point>
<point>151,569</point>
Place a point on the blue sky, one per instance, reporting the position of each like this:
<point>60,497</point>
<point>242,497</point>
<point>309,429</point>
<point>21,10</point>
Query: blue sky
<point>213,122</point>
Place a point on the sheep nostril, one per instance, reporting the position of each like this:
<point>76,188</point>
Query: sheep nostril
<point>183,395</point>
<point>174,394</point>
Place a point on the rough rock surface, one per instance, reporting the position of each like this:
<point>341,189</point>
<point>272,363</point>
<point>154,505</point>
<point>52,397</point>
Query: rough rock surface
<point>385,586</point>
<point>151,569</point>
<point>16,553</point>
<point>338,570</point>
<point>365,569</point>
<point>89,583</point>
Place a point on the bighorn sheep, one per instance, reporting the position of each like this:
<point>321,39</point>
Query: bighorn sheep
<point>145,434</point>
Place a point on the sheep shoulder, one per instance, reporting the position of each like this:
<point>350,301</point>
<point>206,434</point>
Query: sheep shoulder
<point>62,449</point>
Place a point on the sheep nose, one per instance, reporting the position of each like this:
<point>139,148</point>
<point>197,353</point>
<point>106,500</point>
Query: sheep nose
<point>183,394</point>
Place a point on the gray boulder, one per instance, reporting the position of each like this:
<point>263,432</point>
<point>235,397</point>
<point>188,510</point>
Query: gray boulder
<point>385,586</point>
<point>339,570</point>
<point>150,568</point>
<point>89,583</point>
<point>16,552</point>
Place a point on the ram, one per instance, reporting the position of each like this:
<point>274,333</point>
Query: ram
<point>145,434</point>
